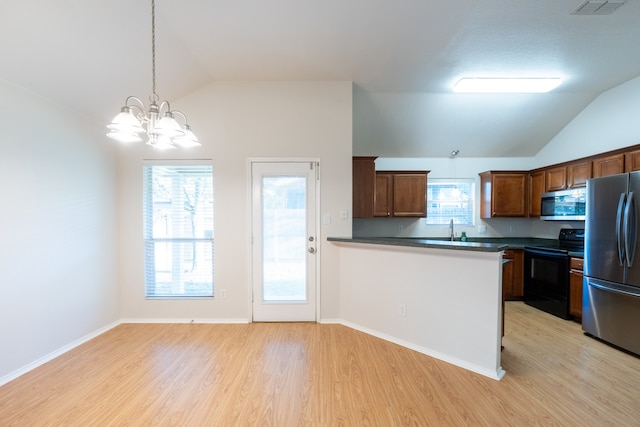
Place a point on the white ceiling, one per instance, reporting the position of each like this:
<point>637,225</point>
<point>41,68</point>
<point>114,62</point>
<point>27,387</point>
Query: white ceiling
<point>402,55</point>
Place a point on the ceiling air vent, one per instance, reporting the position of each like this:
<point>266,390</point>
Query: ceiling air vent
<point>594,7</point>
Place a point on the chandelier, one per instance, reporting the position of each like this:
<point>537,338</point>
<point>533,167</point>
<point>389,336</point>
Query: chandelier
<point>163,130</point>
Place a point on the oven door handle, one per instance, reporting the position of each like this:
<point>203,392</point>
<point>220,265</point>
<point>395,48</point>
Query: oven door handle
<point>619,230</point>
<point>542,252</point>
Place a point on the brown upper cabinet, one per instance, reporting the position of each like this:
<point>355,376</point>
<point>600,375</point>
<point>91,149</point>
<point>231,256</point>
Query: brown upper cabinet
<point>555,179</point>
<point>401,194</point>
<point>364,178</point>
<point>383,194</point>
<point>578,173</point>
<point>536,188</point>
<point>387,193</point>
<point>504,194</point>
<point>610,165</point>
<point>632,161</point>
<point>564,177</point>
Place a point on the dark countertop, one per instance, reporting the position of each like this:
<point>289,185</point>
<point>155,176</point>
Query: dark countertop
<point>425,243</point>
<point>511,242</point>
<point>482,244</point>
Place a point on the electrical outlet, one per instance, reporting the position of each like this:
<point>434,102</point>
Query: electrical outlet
<point>402,310</point>
<point>223,294</point>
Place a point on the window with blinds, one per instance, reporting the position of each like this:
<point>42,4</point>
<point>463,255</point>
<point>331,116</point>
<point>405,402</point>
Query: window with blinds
<point>449,199</point>
<point>178,230</point>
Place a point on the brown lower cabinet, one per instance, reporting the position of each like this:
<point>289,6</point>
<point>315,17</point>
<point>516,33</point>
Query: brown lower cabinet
<point>576,266</point>
<point>512,278</point>
<point>513,274</point>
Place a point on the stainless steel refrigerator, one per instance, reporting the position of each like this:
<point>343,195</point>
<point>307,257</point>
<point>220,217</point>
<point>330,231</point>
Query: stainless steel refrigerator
<point>611,294</point>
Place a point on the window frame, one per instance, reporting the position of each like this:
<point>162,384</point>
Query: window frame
<point>150,240</point>
<point>471,201</point>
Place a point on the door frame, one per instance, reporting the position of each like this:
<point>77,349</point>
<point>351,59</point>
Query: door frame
<point>318,254</point>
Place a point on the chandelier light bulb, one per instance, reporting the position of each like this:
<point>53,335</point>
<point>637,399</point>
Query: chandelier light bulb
<point>188,140</point>
<point>168,126</point>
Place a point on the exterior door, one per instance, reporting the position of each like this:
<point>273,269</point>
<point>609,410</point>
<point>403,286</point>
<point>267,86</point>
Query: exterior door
<point>284,234</point>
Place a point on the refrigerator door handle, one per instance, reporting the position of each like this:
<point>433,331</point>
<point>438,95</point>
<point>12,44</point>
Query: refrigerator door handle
<point>630,229</point>
<point>619,231</point>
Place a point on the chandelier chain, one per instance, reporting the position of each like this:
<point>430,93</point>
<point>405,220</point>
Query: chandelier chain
<point>153,48</point>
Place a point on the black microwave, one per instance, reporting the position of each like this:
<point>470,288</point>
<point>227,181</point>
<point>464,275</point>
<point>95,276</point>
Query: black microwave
<point>567,205</point>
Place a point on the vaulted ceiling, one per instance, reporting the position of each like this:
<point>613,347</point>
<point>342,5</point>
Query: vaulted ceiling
<point>403,56</point>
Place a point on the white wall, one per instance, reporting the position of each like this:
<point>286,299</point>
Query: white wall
<point>610,122</point>
<point>236,122</point>
<point>57,250</point>
<point>461,167</point>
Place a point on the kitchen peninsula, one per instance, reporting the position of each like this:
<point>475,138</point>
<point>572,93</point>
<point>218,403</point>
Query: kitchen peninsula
<point>438,297</point>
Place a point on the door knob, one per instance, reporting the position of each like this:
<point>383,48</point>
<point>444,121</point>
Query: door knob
<point>312,250</point>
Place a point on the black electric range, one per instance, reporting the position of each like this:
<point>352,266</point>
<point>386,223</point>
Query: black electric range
<point>546,272</point>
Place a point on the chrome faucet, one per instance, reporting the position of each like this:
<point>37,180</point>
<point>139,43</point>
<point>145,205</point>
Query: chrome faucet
<point>451,234</point>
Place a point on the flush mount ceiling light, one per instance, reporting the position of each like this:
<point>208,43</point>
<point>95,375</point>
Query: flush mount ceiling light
<point>506,85</point>
<point>164,131</point>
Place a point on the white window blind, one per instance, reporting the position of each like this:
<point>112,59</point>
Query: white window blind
<point>449,199</point>
<point>178,230</point>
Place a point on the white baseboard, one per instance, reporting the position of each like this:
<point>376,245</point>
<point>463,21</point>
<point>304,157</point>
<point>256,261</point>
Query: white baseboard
<point>172,320</point>
<point>431,353</point>
<point>330,321</point>
<point>59,352</point>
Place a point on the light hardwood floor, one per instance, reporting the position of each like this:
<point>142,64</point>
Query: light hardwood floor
<point>297,374</point>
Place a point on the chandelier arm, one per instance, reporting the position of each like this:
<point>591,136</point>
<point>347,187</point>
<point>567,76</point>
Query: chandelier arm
<point>135,98</point>
<point>142,116</point>
<point>186,122</point>
<point>163,104</point>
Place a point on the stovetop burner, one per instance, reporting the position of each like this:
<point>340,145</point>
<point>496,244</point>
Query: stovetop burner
<point>569,240</point>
